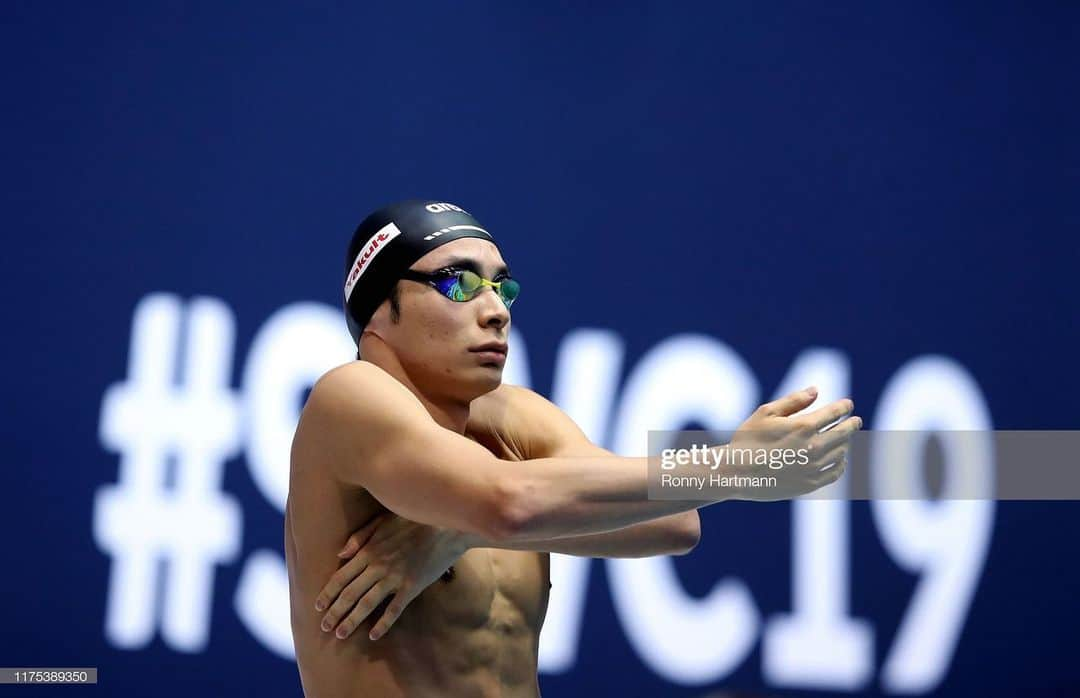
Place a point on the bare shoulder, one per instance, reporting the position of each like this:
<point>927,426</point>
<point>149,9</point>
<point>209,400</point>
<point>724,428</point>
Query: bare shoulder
<point>360,389</point>
<point>347,377</point>
<point>352,408</point>
<point>535,426</point>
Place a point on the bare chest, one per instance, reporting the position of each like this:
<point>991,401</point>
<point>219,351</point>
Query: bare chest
<point>500,590</point>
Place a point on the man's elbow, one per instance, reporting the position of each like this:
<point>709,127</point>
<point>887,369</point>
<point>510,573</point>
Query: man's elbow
<point>686,534</point>
<point>511,512</point>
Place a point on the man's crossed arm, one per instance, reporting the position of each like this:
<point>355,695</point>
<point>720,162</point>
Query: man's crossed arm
<point>539,429</point>
<point>406,553</point>
<point>570,496</point>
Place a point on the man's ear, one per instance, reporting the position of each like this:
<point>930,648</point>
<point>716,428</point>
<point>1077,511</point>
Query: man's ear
<point>371,333</point>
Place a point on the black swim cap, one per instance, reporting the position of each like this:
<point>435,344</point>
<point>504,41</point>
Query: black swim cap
<point>388,242</point>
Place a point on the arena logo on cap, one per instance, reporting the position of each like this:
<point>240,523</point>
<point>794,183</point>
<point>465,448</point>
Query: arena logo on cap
<point>375,244</point>
<point>443,208</point>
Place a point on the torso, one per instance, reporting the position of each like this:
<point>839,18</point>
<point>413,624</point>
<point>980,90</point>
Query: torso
<point>474,635</point>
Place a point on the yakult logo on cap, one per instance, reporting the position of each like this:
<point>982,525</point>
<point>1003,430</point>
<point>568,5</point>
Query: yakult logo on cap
<point>372,247</point>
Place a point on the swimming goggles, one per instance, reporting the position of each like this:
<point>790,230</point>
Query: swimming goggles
<point>463,285</point>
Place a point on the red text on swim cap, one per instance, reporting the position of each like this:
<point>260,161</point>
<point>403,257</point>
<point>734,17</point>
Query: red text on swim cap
<point>375,244</point>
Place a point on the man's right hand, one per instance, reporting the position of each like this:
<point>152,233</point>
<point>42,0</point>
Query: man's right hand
<point>775,425</point>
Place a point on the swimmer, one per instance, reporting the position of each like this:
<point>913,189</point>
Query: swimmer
<point>456,486</point>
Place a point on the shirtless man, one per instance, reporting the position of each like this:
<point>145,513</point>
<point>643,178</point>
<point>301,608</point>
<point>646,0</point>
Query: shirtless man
<point>420,447</point>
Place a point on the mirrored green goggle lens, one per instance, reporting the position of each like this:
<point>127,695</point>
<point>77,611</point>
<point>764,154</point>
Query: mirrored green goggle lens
<point>509,290</point>
<point>470,283</point>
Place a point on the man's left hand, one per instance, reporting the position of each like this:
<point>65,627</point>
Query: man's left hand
<point>389,556</point>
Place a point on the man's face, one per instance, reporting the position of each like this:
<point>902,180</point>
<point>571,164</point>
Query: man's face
<point>450,347</point>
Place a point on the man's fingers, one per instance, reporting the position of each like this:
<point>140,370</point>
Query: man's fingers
<point>358,538</point>
<point>345,574</point>
<point>348,598</point>
<point>351,546</point>
<point>836,456</point>
<point>841,433</point>
<point>402,598</point>
<point>790,403</point>
<point>828,414</point>
<point>368,603</point>
<point>834,473</point>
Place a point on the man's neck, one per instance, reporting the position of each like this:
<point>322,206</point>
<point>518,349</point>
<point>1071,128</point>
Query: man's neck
<point>447,413</point>
<point>450,415</point>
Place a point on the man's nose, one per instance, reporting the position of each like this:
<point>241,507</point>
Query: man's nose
<point>493,312</point>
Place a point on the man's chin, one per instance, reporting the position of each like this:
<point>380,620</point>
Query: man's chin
<point>486,377</point>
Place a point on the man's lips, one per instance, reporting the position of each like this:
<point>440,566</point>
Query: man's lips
<point>492,352</point>
<point>491,348</point>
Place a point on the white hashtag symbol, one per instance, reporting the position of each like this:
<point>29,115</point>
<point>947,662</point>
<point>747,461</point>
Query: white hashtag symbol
<point>159,518</point>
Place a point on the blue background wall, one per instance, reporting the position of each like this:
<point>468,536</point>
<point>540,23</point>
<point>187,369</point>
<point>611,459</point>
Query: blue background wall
<point>887,182</point>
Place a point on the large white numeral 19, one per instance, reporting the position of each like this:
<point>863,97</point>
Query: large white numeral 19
<point>944,540</point>
<point>818,645</point>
